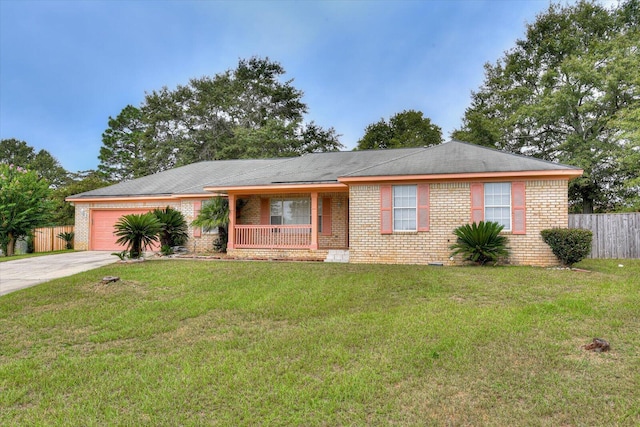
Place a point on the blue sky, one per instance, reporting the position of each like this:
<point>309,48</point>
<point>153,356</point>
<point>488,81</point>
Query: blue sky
<point>66,66</point>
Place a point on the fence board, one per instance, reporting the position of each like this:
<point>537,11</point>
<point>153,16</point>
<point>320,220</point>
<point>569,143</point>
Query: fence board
<point>46,240</point>
<point>614,235</point>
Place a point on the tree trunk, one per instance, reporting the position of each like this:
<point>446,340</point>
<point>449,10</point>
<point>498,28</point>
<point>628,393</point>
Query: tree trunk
<point>11,246</point>
<point>587,205</point>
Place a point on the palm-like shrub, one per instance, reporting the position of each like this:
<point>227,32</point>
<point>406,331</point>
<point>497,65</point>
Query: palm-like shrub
<point>67,236</point>
<point>480,243</point>
<point>137,232</point>
<point>215,213</point>
<point>174,229</point>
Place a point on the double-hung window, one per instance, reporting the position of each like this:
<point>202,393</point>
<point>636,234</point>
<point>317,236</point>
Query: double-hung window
<point>404,208</point>
<point>497,203</point>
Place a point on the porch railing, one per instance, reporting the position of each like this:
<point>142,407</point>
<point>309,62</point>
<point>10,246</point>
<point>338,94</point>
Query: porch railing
<point>273,236</point>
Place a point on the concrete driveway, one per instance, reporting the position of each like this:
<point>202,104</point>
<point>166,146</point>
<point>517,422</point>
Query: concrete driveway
<point>27,272</point>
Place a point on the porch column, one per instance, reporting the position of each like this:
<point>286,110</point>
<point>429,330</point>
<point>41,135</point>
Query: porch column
<point>314,221</point>
<point>232,222</point>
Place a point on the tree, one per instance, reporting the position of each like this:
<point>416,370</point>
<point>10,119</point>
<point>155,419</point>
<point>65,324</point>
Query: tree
<point>19,153</point>
<point>16,152</point>
<point>137,232</point>
<point>245,112</point>
<point>215,213</point>
<point>123,146</point>
<point>406,129</point>
<point>559,93</point>
<point>24,204</point>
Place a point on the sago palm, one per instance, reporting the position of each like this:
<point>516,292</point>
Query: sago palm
<point>137,232</point>
<point>174,229</point>
<point>480,243</point>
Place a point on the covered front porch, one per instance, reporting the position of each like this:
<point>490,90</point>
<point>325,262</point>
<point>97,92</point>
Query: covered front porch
<point>291,224</point>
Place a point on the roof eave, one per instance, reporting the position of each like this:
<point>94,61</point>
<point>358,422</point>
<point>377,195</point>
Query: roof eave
<point>129,197</point>
<point>278,188</point>
<point>565,174</point>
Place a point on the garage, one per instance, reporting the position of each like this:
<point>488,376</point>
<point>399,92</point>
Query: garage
<point>102,228</point>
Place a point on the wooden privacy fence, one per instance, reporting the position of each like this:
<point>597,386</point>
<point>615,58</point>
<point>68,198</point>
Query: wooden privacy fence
<point>46,240</point>
<point>614,235</point>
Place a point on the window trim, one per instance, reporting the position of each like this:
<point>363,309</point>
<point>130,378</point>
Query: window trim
<point>394,209</point>
<point>499,206</point>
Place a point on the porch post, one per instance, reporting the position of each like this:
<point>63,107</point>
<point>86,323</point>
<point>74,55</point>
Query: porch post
<point>314,220</point>
<point>232,222</point>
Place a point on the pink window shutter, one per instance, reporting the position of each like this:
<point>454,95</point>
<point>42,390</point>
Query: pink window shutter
<point>265,211</point>
<point>477,202</point>
<point>197,205</point>
<point>423,207</point>
<point>386,205</point>
<point>518,208</point>
<point>326,216</point>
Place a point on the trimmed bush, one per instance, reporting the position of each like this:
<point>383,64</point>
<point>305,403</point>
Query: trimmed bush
<point>570,245</point>
<point>480,243</point>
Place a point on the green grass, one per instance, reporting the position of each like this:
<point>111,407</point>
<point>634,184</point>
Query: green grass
<point>32,255</point>
<point>255,343</point>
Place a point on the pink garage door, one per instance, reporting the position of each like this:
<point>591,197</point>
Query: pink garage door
<point>102,228</point>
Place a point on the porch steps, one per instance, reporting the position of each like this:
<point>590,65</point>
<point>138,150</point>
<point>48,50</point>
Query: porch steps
<point>337,256</point>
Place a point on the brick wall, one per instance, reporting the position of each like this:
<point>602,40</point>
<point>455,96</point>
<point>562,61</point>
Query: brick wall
<point>278,254</point>
<point>450,207</point>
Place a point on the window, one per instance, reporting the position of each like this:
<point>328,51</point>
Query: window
<point>497,203</point>
<point>404,208</point>
<point>290,211</point>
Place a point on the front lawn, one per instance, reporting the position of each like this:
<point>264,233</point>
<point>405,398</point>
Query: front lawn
<point>187,342</point>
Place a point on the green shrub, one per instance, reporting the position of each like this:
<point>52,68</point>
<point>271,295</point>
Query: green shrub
<point>166,250</point>
<point>220,245</point>
<point>480,243</point>
<point>174,228</point>
<point>31,244</point>
<point>570,245</point>
<point>137,232</point>
<point>67,236</point>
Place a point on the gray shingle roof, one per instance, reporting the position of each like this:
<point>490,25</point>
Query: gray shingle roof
<point>453,157</point>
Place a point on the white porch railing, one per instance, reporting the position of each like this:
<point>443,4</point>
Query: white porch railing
<point>273,236</point>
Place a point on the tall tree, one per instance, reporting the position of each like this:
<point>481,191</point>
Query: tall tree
<point>24,204</point>
<point>19,153</point>
<point>406,129</point>
<point>559,93</point>
<point>245,112</point>
<point>122,155</point>
<point>16,152</point>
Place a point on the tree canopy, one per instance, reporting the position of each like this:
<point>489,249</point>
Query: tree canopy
<point>568,92</point>
<point>246,112</point>
<point>24,204</point>
<point>406,129</point>
<point>19,153</point>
